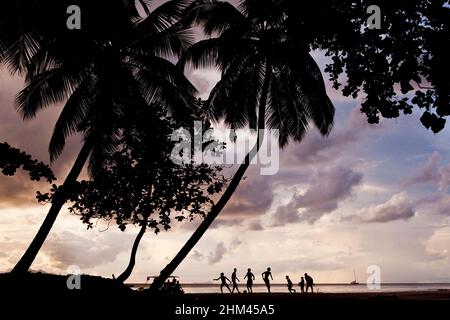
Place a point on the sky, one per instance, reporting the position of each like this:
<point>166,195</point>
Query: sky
<point>366,195</point>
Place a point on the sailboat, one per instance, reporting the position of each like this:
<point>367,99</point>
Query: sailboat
<point>354,281</point>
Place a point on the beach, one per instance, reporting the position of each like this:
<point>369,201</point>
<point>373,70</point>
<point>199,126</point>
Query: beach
<point>286,306</point>
<point>100,296</point>
<point>334,288</point>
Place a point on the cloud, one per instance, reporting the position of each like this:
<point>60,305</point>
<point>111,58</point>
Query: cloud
<point>11,251</point>
<point>217,254</point>
<point>19,190</point>
<point>219,251</point>
<point>326,190</point>
<point>299,266</point>
<point>67,248</point>
<point>235,243</point>
<point>316,149</point>
<point>62,249</point>
<point>31,136</point>
<point>438,244</point>
<point>255,225</point>
<point>196,255</point>
<point>398,207</point>
<point>437,203</point>
<point>252,198</point>
<point>227,222</point>
<point>431,173</point>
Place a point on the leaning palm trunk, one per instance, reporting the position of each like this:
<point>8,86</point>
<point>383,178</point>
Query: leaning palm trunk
<point>127,272</point>
<point>30,254</point>
<point>218,207</point>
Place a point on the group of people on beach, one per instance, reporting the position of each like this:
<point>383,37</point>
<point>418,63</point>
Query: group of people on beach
<point>307,281</point>
<point>172,287</point>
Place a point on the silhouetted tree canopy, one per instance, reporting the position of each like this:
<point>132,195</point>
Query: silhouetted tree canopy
<point>402,65</point>
<point>114,64</point>
<point>139,184</point>
<point>12,159</point>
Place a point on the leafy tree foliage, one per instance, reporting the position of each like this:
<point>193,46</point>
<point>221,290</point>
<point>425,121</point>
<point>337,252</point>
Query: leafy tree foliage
<point>12,159</point>
<point>139,183</point>
<point>402,65</point>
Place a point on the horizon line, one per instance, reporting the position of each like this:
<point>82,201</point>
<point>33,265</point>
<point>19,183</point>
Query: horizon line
<point>316,284</point>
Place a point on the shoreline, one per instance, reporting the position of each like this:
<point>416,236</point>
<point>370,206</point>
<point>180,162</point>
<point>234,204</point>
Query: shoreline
<point>439,294</point>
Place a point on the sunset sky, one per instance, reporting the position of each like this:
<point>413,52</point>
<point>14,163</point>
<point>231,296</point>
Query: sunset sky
<point>366,195</point>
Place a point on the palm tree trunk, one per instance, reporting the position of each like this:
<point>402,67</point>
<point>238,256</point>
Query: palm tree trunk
<point>127,272</point>
<point>218,207</point>
<point>30,254</point>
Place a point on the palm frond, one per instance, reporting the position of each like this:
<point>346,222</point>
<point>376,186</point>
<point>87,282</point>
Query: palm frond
<point>158,89</point>
<point>235,97</point>
<point>203,54</point>
<point>214,16</point>
<point>164,16</point>
<point>18,55</point>
<point>306,77</point>
<point>166,70</point>
<point>169,43</point>
<point>286,112</point>
<point>72,115</point>
<point>47,88</point>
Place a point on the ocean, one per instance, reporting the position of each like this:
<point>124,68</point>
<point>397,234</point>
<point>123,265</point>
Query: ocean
<point>325,288</point>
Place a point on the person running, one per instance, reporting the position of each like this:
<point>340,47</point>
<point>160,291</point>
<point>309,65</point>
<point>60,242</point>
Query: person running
<point>265,275</point>
<point>250,277</point>
<point>224,282</point>
<point>302,285</point>
<point>290,285</point>
<point>234,280</point>
<point>309,283</point>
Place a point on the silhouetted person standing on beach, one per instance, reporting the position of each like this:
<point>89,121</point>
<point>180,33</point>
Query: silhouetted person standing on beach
<point>234,278</point>
<point>224,282</point>
<point>290,285</point>
<point>309,283</point>
<point>302,285</point>
<point>250,277</point>
<point>265,275</point>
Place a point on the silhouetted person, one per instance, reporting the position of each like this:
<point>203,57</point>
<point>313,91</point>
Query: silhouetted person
<point>224,282</point>
<point>302,285</point>
<point>172,285</point>
<point>265,275</point>
<point>309,283</point>
<point>166,286</point>
<point>250,277</point>
<point>290,285</point>
<point>234,278</point>
<point>177,288</point>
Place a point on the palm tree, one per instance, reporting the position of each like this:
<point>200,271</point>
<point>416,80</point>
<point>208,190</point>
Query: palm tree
<point>268,80</point>
<point>100,74</point>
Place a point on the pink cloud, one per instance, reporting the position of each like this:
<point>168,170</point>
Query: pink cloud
<point>326,190</point>
<point>398,207</point>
